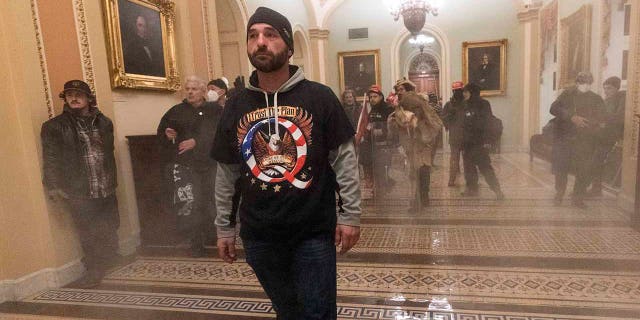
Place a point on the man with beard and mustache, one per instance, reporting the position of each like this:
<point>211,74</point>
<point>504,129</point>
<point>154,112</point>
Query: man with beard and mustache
<point>79,169</point>
<point>288,143</point>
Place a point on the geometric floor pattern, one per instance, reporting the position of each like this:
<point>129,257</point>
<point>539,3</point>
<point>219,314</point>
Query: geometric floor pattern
<point>260,307</point>
<point>458,283</point>
<point>459,259</point>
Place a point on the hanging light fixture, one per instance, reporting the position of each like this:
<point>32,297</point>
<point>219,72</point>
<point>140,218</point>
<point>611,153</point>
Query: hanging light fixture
<point>413,12</point>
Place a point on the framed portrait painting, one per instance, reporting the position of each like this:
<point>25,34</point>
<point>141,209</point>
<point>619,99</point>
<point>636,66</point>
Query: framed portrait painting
<point>141,44</point>
<point>575,45</point>
<point>485,64</point>
<point>359,70</point>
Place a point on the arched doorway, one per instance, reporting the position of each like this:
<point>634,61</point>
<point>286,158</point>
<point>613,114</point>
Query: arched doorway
<point>301,56</point>
<point>425,73</point>
<point>231,22</point>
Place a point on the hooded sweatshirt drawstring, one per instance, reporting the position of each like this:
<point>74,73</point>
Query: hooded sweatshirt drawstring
<point>275,112</point>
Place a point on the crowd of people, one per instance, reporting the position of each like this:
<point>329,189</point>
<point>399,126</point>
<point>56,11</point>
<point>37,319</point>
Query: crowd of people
<point>409,124</point>
<point>276,151</point>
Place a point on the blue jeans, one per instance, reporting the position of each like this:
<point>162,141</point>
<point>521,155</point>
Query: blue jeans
<point>300,279</point>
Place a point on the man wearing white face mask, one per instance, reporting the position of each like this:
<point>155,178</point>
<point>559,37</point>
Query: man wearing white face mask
<point>578,126</point>
<point>217,91</point>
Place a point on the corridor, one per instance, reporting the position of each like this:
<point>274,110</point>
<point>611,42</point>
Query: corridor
<point>462,258</point>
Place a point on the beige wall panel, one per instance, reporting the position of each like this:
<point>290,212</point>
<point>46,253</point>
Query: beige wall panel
<point>198,39</point>
<point>231,64</point>
<point>26,238</point>
<point>226,19</point>
<point>62,52</point>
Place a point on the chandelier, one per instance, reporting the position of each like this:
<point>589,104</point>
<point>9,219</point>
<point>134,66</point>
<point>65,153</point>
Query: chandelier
<point>413,12</point>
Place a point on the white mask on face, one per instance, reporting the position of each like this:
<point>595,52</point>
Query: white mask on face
<point>212,96</point>
<point>584,87</point>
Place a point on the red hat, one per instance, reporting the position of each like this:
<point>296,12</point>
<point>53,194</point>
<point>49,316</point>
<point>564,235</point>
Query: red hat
<point>457,85</point>
<point>376,89</point>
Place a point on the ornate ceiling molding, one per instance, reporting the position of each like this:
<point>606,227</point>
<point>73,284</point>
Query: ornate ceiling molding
<point>43,61</point>
<point>83,42</point>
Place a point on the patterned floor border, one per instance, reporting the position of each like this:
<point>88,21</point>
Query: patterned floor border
<point>504,285</point>
<point>262,307</point>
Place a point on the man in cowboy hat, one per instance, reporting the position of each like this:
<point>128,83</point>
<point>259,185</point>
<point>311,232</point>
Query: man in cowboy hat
<point>80,170</point>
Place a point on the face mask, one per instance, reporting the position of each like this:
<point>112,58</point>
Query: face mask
<point>583,87</point>
<point>212,96</point>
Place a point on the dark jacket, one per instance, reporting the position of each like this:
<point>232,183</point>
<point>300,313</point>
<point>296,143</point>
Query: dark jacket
<point>453,120</point>
<point>63,163</point>
<point>615,109</point>
<point>378,120</point>
<point>477,114</point>
<point>198,123</point>
<point>574,103</point>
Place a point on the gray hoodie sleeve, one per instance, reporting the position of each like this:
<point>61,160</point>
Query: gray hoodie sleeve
<point>226,176</point>
<point>345,165</point>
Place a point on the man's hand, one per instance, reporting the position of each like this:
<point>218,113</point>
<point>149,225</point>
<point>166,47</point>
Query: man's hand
<point>227,249</point>
<point>170,133</point>
<point>579,121</point>
<point>186,145</point>
<point>346,237</point>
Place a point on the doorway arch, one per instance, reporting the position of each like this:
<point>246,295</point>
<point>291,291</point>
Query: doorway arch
<point>445,56</point>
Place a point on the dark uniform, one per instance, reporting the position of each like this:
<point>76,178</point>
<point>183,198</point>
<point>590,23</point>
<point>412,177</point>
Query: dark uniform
<point>374,155</point>
<point>572,145</point>
<point>453,119</point>
<point>477,114</point>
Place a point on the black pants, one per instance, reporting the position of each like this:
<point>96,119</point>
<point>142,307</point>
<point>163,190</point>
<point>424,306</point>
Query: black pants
<point>97,222</point>
<point>475,158</point>
<point>579,154</point>
<point>204,205</point>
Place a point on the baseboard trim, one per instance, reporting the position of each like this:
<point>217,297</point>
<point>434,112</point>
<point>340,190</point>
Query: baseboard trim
<point>14,290</point>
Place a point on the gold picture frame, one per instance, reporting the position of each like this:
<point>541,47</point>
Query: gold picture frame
<point>359,70</point>
<point>141,47</point>
<point>575,45</point>
<point>485,64</point>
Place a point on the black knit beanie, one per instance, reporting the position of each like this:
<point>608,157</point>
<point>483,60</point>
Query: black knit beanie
<point>218,83</point>
<point>276,20</point>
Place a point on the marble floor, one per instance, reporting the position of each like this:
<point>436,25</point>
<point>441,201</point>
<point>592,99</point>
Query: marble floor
<point>460,259</point>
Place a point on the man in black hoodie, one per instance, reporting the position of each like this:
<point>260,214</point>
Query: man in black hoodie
<point>289,144</point>
<point>476,142</point>
<point>79,168</point>
<point>186,134</point>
